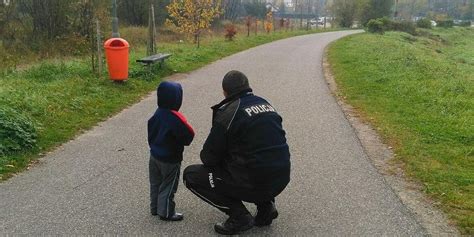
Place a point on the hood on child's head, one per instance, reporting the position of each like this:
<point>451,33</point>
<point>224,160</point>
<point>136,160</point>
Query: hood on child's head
<point>170,95</point>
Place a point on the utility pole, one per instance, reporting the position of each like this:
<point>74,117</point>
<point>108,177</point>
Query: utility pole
<point>115,33</point>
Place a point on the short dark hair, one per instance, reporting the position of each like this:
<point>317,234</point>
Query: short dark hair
<point>235,82</point>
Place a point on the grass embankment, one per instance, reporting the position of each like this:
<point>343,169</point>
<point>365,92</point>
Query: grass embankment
<point>61,99</point>
<point>419,93</point>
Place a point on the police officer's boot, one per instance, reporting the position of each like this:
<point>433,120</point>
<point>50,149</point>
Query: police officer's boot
<point>235,225</point>
<point>266,212</point>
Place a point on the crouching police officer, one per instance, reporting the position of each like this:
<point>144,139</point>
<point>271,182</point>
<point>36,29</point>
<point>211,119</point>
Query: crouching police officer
<point>245,158</point>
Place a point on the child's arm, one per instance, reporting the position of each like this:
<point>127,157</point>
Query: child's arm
<point>184,132</point>
<point>151,128</point>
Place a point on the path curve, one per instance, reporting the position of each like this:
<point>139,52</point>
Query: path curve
<point>98,183</point>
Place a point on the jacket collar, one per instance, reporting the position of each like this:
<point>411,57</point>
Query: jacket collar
<point>233,97</point>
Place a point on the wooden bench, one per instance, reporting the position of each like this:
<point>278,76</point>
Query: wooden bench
<point>160,58</point>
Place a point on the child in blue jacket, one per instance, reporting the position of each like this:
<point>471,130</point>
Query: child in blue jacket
<point>168,133</point>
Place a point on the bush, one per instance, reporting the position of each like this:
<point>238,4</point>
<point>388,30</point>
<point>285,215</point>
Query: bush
<point>7,61</point>
<point>381,25</point>
<point>376,26</point>
<point>387,23</point>
<point>424,23</point>
<point>445,23</point>
<point>136,36</point>
<point>427,34</point>
<point>230,31</point>
<point>464,23</point>
<point>405,26</point>
<point>17,132</point>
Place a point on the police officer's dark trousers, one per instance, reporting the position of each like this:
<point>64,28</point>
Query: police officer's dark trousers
<point>164,179</point>
<point>216,187</point>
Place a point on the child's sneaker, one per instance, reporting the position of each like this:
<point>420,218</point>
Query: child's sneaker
<point>175,217</point>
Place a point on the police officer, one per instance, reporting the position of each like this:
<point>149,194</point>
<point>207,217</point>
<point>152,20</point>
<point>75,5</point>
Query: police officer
<point>245,158</point>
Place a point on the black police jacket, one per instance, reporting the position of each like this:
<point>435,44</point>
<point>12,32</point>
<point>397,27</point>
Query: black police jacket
<point>247,140</point>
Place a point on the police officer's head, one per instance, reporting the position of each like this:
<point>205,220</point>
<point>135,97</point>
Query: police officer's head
<point>234,82</point>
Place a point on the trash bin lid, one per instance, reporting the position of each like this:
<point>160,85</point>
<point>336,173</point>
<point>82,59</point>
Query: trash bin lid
<point>116,43</point>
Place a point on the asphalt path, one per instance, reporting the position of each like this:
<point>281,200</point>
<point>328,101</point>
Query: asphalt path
<point>98,183</point>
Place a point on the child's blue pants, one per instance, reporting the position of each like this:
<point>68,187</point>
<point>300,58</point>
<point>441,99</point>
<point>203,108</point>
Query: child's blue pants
<point>164,179</point>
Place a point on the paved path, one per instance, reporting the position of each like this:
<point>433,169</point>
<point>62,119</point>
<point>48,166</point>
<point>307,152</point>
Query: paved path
<point>98,183</point>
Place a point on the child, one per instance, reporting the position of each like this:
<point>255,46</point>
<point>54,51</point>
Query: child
<point>168,133</point>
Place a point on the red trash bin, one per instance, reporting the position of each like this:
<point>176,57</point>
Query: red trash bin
<point>116,53</point>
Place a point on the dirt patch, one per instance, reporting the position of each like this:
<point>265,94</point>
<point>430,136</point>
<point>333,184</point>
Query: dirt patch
<point>409,191</point>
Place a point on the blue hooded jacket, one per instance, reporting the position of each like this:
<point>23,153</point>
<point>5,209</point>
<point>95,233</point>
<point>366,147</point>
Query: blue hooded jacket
<point>168,130</point>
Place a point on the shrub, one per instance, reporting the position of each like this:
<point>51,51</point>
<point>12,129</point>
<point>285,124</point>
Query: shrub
<point>464,23</point>
<point>381,25</point>
<point>424,23</point>
<point>135,35</point>
<point>405,26</point>
<point>445,23</point>
<point>268,26</point>
<point>230,31</point>
<point>17,132</point>
<point>7,61</point>
<point>387,23</point>
<point>376,26</point>
<point>427,34</point>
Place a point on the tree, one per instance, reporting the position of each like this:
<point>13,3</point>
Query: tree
<point>192,16</point>
<point>373,9</point>
<point>136,12</point>
<point>49,18</point>
<point>12,31</point>
<point>407,9</point>
<point>232,9</point>
<point>52,27</point>
<point>344,11</point>
<point>435,9</point>
<point>268,24</point>
<point>256,8</point>
<point>467,10</point>
<point>133,12</point>
<point>282,8</point>
<point>248,23</point>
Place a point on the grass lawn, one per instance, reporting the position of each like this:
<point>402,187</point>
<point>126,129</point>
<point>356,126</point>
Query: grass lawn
<point>419,93</point>
<point>63,99</point>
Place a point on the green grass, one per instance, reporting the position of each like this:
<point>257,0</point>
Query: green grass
<point>419,93</point>
<point>63,99</point>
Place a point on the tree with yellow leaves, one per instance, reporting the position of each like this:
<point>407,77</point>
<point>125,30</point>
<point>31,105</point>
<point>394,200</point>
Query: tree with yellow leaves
<point>269,22</point>
<point>192,16</point>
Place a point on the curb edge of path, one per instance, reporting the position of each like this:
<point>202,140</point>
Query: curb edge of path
<point>382,157</point>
